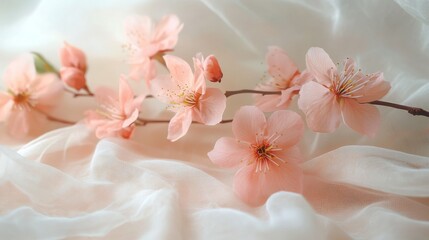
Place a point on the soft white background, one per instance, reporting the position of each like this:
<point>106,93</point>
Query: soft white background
<point>68,184</point>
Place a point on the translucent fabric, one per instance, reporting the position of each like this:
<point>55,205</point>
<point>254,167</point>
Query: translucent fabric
<point>67,184</point>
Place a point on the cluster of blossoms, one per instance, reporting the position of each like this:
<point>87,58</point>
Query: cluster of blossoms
<point>265,151</point>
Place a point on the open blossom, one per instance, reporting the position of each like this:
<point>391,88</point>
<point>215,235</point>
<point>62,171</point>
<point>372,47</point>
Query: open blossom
<point>28,95</point>
<point>146,42</point>
<point>117,113</point>
<point>285,77</point>
<point>340,94</point>
<point>265,151</point>
<point>210,66</point>
<point>74,66</point>
<point>187,95</point>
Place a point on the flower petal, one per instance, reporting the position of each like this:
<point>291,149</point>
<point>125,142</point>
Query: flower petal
<point>320,107</point>
<point>290,155</point>
<point>280,66</point>
<point>138,30</point>
<point>19,73</point>
<point>180,70</point>
<point>211,106</point>
<point>229,152</point>
<point>287,95</point>
<point>255,187</point>
<point>125,92</point>
<point>286,126</point>
<point>164,89</point>
<point>6,106</point>
<point>167,32</point>
<point>319,64</point>
<point>179,124</point>
<point>269,103</point>
<point>363,118</point>
<point>247,123</point>
<point>375,89</point>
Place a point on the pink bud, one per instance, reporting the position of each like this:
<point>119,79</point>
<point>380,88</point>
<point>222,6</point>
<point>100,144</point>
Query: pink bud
<point>212,70</point>
<point>71,56</point>
<point>73,77</point>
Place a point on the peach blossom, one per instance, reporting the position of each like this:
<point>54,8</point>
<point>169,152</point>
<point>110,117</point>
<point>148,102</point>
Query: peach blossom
<point>74,66</point>
<point>145,42</point>
<point>118,112</point>
<point>265,152</point>
<point>340,94</point>
<point>211,67</point>
<point>187,95</point>
<point>285,77</point>
<point>28,95</point>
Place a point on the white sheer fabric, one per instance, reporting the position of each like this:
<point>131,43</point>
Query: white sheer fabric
<point>66,184</point>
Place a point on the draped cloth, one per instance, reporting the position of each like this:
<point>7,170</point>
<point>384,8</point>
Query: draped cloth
<point>66,184</point>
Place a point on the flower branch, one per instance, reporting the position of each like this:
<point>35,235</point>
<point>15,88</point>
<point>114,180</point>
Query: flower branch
<point>411,110</point>
<point>231,93</point>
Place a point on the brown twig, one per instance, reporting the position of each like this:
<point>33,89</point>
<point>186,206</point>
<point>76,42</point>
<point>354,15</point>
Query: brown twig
<point>231,93</point>
<point>144,121</point>
<point>411,110</point>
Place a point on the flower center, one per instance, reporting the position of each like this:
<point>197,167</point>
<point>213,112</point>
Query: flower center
<point>191,99</point>
<point>111,111</point>
<point>264,153</point>
<point>348,82</point>
<point>23,100</point>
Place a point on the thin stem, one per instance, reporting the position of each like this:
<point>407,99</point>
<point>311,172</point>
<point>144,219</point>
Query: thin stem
<point>411,110</point>
<point>144,121</point>
<point>231,93</point>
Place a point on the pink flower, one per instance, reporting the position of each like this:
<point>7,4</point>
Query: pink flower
<point>146,42</point>
<point>285,77</point>
<point>28,96</point>
<point>187,95</point>
<point>340,93</point>
<point>266,152</point>
<point>73,68</point>
<point>211,67</point>
<point>117,114</point>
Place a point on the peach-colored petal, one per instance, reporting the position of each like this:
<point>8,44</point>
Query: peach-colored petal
<point>287,95</point>
<point>145,69</point>
<point>179,125</point>
<point>291,154</point>
<point>280,66</point>
<point>255,187</point>
<point>19,73</point>
<point>229,152</point>
<point>138,30</point>
<point>269,103</point>
<point>131,119</point>
<point>180,70</point>
<point>125,92</point>
<point>248,121</point>
<point>212,70</point>
<point>105,95</point>
<point>211,106</point>
<point>302,78</point>
<point>21,120</point>
<point>319,64</point>
<point>199,84</point>
<point>71,56</point>
<point>6,106</point>
<point>375,89</point>
<point>163,89</point>
<point>73,77</point>
<point>363,118</point>
<point>286,127</point>
<point>167,32</point>
<point>320,107</point>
